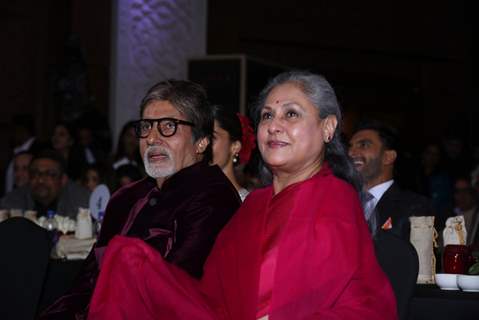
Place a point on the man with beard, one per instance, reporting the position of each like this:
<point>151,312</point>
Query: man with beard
<point>183,203</point>
<point>48,188</point>
<point>374,149</point>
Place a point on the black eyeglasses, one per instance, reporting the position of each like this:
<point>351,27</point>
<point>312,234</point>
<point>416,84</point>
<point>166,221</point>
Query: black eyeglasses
<point>166,126</point>
<point>48,174</point>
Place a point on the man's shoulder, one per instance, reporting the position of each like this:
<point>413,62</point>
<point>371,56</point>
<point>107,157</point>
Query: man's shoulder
<point>206,178</point>
<point>18,198</point>
<point>135,189</point>
<point>407,198</point>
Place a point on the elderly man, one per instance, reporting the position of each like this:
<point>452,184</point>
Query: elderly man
<point>373,149</point>
<point>183,204</point>
<point>48,188</point>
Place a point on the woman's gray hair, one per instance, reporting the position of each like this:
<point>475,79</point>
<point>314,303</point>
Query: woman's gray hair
<point>320,93</point>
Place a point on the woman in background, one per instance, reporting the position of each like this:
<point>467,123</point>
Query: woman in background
<point>233,142</point>
<point>298,249</point>
<point>63,143</point>
<point>127,151</point>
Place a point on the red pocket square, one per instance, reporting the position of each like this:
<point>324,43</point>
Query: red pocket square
<point>388,224</point>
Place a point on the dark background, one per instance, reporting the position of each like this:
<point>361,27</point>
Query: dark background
<point>410,63</point>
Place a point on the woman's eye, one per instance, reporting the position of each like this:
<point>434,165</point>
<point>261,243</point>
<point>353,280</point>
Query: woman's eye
<point>266,116</point>
<point>291,114</point>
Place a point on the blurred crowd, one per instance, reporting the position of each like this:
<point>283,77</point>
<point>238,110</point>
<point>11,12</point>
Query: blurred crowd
<point>445,170</point>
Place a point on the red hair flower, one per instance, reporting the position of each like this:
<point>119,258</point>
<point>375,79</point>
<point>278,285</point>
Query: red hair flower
<point>248,142</point>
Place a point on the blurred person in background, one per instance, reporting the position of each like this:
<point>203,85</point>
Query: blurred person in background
<point>94,175</point>
<point>458,159</point>
<point>49,188</point>
<point>127,150</point>
<point>21,165</point>
<point>63,142</point>
<point>466,204</point>
<point>374,149</point>
<point>23,139</point>
<point>126,174</point>
<point>233,141</point>
<point>93,137</point>
<point>433,181</point>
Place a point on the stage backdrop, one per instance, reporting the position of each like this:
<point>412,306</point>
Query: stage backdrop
<point>152,40</point>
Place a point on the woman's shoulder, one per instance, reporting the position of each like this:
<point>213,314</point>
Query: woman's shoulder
<point>331,184</point>
<point>260,194</point>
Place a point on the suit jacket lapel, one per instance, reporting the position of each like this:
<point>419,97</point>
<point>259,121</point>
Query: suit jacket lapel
<point>385,207</point>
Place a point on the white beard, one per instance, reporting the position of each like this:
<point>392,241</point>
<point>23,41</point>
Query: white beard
<point>163,169</point>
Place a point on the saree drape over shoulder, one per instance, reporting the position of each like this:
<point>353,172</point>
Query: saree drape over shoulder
<point>304,253</point>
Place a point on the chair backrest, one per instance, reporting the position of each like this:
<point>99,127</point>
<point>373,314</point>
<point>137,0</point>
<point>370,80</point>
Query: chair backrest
<point>24,254</point>
<point>400,263</point>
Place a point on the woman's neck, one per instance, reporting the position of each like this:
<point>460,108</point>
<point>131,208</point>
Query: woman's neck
<point>283,179</point>
<point>230,174</point>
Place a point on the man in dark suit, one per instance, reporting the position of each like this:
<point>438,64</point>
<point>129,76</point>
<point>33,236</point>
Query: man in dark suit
<point>183,203</point>
<point>373,149</point>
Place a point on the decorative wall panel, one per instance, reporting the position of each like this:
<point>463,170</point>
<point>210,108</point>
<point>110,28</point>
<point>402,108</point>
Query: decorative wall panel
<point>152,41</point>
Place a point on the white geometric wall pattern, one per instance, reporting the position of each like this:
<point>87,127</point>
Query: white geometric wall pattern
<point>152,41</point>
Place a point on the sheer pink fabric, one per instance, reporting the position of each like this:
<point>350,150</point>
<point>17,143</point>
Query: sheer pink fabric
<point>325,266</point>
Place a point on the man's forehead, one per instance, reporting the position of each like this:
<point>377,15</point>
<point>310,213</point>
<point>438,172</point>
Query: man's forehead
<point>24,157</point>
<point>161,109</point>
<point>45,163</point>
<point>366,135</point>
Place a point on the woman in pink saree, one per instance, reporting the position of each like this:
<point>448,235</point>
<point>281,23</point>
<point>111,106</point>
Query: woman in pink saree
<point>297,249</point>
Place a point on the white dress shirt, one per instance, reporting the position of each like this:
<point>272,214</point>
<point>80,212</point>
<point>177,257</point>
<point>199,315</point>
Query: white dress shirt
<point>377,192</point>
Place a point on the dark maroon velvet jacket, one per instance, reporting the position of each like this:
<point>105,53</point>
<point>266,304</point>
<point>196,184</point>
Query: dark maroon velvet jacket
<point>181,221</point>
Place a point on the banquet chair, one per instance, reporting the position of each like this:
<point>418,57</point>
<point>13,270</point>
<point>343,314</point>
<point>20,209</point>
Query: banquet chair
<point>24,249</point>
<point>399,261</point>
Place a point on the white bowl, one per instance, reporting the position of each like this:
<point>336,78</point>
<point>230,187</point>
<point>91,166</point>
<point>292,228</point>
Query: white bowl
<point>447,281</point>
<point>468,283</point>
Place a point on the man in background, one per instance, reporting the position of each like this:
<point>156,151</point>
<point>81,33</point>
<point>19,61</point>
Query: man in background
<point>48,188</point>
<point>374,151</point>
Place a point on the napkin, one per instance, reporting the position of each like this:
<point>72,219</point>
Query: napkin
<point>31,215</point>
<point>423,237</point>
<point>3,215</point>
<point>84,227</point>
<point>455,231</point>
<point>65,224</point>
<point>16,213</point>
<point>72,248</point>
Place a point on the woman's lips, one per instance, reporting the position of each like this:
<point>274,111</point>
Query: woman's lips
<point>277,144</point>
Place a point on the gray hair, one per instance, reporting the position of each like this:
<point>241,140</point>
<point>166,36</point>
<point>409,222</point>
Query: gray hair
<point>189,99</point>
<point>320,93</point>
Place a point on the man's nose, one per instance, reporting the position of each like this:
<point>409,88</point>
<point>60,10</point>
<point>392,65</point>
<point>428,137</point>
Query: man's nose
<point>154,137</point>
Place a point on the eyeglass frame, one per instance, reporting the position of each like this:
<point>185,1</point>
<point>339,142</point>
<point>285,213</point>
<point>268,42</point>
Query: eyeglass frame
<point>44,174</point>
<point>136,125</point>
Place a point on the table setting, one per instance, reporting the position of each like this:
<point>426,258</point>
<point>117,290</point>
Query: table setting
<point>453,292</point>
<point>72,239</point>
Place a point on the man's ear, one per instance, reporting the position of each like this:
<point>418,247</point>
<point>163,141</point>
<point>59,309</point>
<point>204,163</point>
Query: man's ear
<point>201,145</point>
<point>329,127</point>
<point>389,157</point>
